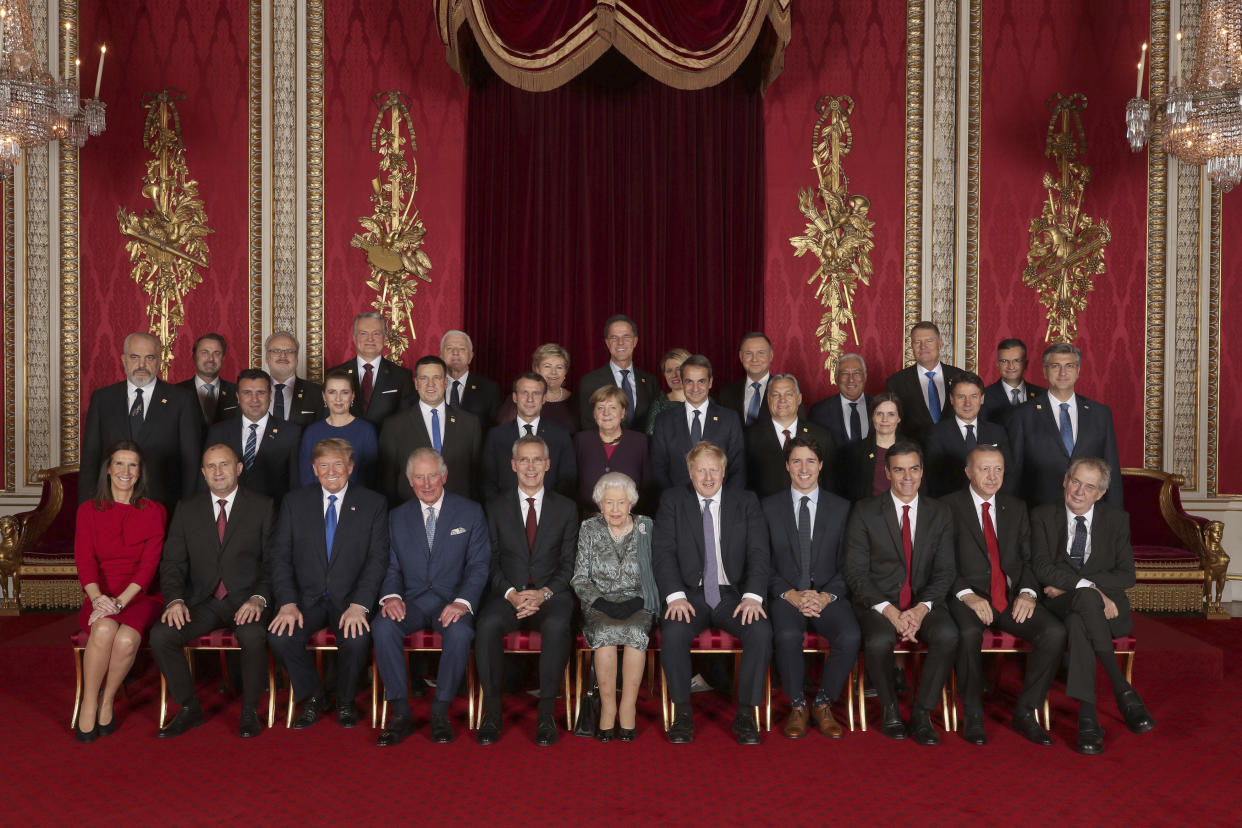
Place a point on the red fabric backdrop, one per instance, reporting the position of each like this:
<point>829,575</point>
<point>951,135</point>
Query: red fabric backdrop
<point>1229,450</point>
<point>1030,52</point>
<point>373,46</point>
<point>199,47</point>
<point>857,50</point>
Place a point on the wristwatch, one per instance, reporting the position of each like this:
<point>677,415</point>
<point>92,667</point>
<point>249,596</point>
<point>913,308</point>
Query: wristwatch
<point>547,594</point>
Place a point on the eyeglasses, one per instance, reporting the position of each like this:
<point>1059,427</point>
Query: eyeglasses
<point>283,351</point>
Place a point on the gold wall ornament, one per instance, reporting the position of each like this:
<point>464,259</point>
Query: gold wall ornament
<point>1067,245</point>
<point>167,243</point>
<point>394,232</point>
<point>838,233</point>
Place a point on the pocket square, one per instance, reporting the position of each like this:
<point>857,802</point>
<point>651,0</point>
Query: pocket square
<point>458,531</point>
<point>389,391</point>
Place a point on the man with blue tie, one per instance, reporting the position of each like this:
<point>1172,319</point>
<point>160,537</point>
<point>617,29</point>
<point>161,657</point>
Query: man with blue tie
<point>681,428</point>
<point>924,386</point>
<point>640,387</point>
<point>327,562</point>
<point>437,568</point>
<point>749,396</point>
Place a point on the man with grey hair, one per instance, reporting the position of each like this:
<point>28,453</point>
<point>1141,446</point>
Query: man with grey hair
<point>767,438</point>
<point>468,390</point>
<point>294,399</point>
<point>381,386</point>
<point>846,415</point>
<point>1057,426</point>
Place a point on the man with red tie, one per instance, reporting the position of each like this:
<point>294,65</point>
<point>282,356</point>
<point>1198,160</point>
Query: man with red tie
<point>381,386</point>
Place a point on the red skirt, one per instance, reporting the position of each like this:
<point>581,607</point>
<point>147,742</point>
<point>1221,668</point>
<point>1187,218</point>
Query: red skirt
<point>140,613</point>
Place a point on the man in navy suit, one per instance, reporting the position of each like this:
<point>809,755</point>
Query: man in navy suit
<point>327,562</point>
<point>217,398</point>
<point>437,568</point>
<point>846,415</point>
<point>951,439</point>
<point>268,447</point>
<point>381,386</point>
<point>529,390</point>
<point>923,387</point>
<point>749,395</point>
<point>1003,397</point>
<point>640,387</point>
<point>677,430</point>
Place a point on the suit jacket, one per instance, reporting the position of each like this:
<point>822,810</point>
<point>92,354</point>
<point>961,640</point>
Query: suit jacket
<point>195,560</point>
<point>1039,455</point>
<point>405,431</point>
<point>945,456</point>
<point>915,419</point>
<point>275,469</point>
<point>456,564</point>
<point>1110,566</point>
<point>765,460</point>
<point>170,436</point>
<point>997,406</point>
<point>678,549</point>
<point>481,397</point>
<point>306,402</point>
<point>392,390</point>
<point>827,543</point>
<point>302,572</point>
<point>646,387</point>
<point>670,442</point>
<point>551,562</point>
<point>498,472</point>
<point>226,404</point>
<point>733,396</point>
<point>875,564</point>
<point>1013,540</point>
<point>828,414</point>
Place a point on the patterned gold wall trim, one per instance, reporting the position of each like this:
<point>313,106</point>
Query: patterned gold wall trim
<point>974,114</point>
<point>254,115</point>
<point>314,189</point>
<point>70,399</point>
<point>36,328</point>
<point>10,341</point>
<point>942,265</point>
<point>912,303</point>
<point>282,121</point>
<point>1213,385</point>
<point>1157,183</point>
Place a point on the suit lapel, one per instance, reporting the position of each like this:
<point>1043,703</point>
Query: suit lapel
<point>791,526</point>
<point>693,506</point>
<point>1050,419</point>
<point>976,528</point>
<point>156,402</point>
<point>889,510</point>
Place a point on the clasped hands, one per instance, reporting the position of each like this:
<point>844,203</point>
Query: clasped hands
<point>527,601</point>
<point>808,602</point>
<point>908,622</point>
<point>101,607</point>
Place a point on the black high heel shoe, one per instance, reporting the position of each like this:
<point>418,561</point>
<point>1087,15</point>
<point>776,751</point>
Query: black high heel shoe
<point>88,736</point>
<point>605,735</point>
<point>626,734</point>
<point>107,729</point>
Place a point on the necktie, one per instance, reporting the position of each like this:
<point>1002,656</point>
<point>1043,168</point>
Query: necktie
<point>997,587</point>
<point>436,443</point>
<point>221,522</point>
<point>804,542</point>
<point>971,441</point>
<point>455,395</point>
<point>368,385</point>
<point>329,524</point>
<point>430,526</point>
<point>629,396</point>
<point>711,572</point>
<point>278,405</point>
<point>855,422</point>
<point>907,546</point>
<point>529,430</point>
<point>252,442</point>
<point>752,410</point>
<point>1078,549</point>
<point>933,397</point>
<point>1016,394</point>
<point>696,430</point>
<point>532,525</point>
<point>135,410</point>
<point>785,441</point>
<point>1067,430</point>
<point>207,400</point>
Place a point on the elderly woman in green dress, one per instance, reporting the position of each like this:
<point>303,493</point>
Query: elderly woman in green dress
<point>614,582</point>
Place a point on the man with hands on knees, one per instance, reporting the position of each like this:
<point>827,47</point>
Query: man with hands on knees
<point>327,561</point>
<point>437,568</point>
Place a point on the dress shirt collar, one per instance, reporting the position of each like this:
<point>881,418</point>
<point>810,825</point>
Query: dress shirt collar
<point>228,503</point>
<point>438,506</point>
<point>617,369</point>
<point>1056,404</point>
<point>148,391</point>
<point>780,430</point>
<point>797,497</point>
<point>521,425</point>
<point>538,496</point>
<point>199,383</point>
<point>897,503</point>
<point>427,409</point>
<point>715,500</point>
<point>463,379</point>
<point>340,498</point>
<point>1070,522</point>
<point>246,423</point>
<point>937,369</point>
<point>979,501</point>
<point>374,363</point>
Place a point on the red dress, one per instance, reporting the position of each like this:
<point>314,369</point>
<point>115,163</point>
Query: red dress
<point>116,547</point>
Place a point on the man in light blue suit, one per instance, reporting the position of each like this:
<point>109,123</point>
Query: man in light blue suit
<point>437,568</point>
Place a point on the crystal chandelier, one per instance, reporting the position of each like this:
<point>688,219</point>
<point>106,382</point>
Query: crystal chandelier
<point>35,106</point>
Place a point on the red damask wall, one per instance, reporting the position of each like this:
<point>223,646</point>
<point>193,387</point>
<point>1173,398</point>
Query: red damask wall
<point>1229,453</point>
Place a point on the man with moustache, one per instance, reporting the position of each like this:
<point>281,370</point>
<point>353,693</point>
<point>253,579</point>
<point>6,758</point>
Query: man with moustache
<point>294,399</point>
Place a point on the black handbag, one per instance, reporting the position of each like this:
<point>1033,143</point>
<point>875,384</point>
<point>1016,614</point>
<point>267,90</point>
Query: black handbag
<point>588,712</point>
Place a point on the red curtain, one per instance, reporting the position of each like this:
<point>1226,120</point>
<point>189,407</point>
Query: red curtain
<point>613,193</point>
<point>1229,470</point>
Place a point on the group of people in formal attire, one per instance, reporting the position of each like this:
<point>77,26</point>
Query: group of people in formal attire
<point>387,502</point>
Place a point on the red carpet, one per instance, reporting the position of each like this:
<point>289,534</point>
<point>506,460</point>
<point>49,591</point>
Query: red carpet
<point>331,776</point>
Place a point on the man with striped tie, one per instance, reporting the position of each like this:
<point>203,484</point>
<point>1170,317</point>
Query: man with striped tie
<point>268,447</point>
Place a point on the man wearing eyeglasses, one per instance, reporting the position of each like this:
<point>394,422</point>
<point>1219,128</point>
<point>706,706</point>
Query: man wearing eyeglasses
<point>621,337</point>
<point>294,399</point>
<point>1003,397</point>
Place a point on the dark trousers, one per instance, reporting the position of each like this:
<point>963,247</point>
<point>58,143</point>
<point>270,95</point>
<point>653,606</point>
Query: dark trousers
<point>1043,630</point>
<point>351,654</point>
<point>677,636</point>
<point>455,642</point>
<point>836,623</point>
<point>938,632</point>
<point>498,618</point>
<point>168,642</point>
<point>1090,636</point>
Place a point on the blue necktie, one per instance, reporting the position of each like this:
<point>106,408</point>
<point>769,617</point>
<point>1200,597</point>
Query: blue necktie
<point>629,396</point>
<point>1067,430</point>
<point>430,526</point>
<point>711,572</point>
<point>329,524</point>
<point>696,431</point>
<point>435,430</point>
<point>251,445</point>
<point>752,410</point>
<point>933,397</point>
<point>1078,549</point>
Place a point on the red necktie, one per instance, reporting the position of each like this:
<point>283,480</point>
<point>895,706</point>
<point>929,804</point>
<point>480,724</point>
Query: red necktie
<point>368,385</point>
<point>907,545</point>
<point>531,523</point>
<point>220,524</point>
<point>785,442</point>
<point>999,600</point>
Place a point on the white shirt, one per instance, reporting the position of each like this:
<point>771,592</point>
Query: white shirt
<point>750,391</point>
<point>200,384</point>
<point>521,426</point>
<point>961,429</point>
<point>286,392</point>
<point>991,501</point>
<point>863,420</point>
<point>1072,526</point>
<point>914,521</point>
<point>461,386</point>
<point>340,498</point>
<point>616,375</point>
<point>1009,389</point>
<point>690,409</point>
<point>939,378</point>
<point>426,412</point>
<point>720,567</point>
<point>780,430</point>
<point>1055,404</point>
<point>148,391</point>
<point>362,371</point>
<point>258,432</point>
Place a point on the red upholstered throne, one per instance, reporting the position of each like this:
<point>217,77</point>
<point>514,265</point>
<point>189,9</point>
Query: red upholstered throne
<point>46,576</point>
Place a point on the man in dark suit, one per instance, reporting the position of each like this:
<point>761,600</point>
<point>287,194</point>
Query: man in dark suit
<point>163,419</point>
<point>711,562</point>
<point>213,576</point>
<point>534,534</point>
<point>923,387</point>
<point>467,390</point>
<point>951,439</point>
<point>996,588</point>
<point>806,530</point>
<point>1003,397</point>
<point>381,386</point>
<point>846,415</point>
<point>217,398</point>
<point>748,397</point>
<point>677,430</point>
<point>294,399</point>
<point>529,390</point>
<point>621,337</point>
<point>1080,551</point>
<point>899,567</point>
<point>268,448</point>
<point>437,568</point>
<point>431,423</point>
<point>328,557</point>
<point>1058,426</point>
<point>767,439</point>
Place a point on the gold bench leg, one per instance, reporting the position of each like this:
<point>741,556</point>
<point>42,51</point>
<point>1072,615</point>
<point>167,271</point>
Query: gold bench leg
<point>664,703</point>
<point>77,696</point>
<point>862,698</point>
<point>271,691</point>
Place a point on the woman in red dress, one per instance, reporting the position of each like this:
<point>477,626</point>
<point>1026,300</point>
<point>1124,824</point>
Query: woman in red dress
<point>117,545</point>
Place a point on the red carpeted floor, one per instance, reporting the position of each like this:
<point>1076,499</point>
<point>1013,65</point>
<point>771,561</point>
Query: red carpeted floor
<point>1181,773</point>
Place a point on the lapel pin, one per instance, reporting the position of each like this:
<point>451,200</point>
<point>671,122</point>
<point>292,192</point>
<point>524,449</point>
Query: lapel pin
<point>353,508</point>
<point>474,387</point>
<point>163,402</point>
<point>274,430</point>
<point>715,419</point>
<point>871,456</point>
<point>452,419</point>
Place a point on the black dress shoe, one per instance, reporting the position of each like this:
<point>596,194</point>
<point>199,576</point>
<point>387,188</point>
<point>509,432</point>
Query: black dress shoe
<point>545,731</point>
<point>189,716</point>
<point>921,728</point>
<point>250,725</point>
<point>605,735</point>
<point>1135,713</point>
<point>891,724</point>
<point>744,729</point>
<point>489,730</point>
<point>1029,726</point>
<point>626,734</point>
<point>347,714</point>
<point>681,732</point>
<point>441,731</point>
<point>311,710</point>
<point>973,730</point>
<point>1090,737</point>
<point>400,728</point>
<point>86,736</point>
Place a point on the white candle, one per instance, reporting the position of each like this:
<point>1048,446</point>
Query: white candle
<point>1177,59</point>
<point>103,53</point>
<point>1138,85</point>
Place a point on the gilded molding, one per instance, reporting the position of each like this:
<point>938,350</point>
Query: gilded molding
<point>1213,403</point>
<point>974,114</point>
<point>314,189</point>
<point>70,333</point>
<point>37,330</point>
<point>284,131</point>
<point>913,289</point>
<point>943,251</point>
<point>10,341</point>
<point>254,168</point>
<point>1157,183</point>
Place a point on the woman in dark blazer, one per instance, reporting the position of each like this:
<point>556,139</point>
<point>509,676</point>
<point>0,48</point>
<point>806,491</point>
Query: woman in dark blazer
<point>609,448</point>
<point>864,461</point>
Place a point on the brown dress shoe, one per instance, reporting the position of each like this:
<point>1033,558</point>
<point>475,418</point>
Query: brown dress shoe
<point>822,714</point>
<point>795,725</point>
